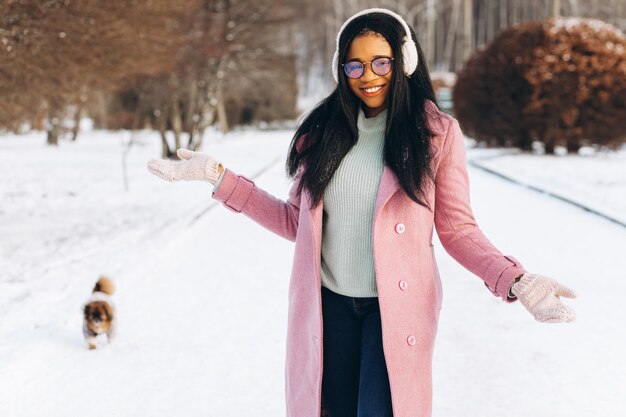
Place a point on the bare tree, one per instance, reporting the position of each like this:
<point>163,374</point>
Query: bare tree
<point>58,51</point>
<point>233,57</point>
<point>449,31</point>
<point>191,63</point>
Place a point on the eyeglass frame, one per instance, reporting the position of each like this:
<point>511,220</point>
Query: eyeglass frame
<point>391,59</point>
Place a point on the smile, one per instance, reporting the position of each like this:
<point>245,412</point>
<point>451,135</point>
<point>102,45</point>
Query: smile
<point>372,91</point>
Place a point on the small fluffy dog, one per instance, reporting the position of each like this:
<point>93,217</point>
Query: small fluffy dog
<point>99,313</point>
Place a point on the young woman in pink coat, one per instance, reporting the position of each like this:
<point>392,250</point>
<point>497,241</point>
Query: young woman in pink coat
<point>376,166</point>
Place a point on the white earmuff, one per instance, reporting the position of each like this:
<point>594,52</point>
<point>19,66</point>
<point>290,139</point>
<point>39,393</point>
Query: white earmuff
<point>409,49</point>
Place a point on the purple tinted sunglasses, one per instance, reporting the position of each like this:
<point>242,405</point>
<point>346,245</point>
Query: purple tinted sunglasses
<point>355,69</point>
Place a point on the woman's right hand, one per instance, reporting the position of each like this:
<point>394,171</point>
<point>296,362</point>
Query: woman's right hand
<point>192,166</point>
<point>541,297</point>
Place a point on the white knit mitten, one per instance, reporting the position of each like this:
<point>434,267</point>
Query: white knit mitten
<point>192,166</point>
<point>540,295</point>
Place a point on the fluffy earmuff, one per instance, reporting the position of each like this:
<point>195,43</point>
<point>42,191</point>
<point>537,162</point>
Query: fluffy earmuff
<point>409,50</point>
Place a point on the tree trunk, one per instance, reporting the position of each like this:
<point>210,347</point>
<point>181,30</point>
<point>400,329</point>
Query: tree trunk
<point>525,143</point>
<point>76,127</point>
<point>549,141</point>
<point>573,145</point>
<point>102,109</point>
<point>166,152</point>
<point>452,28</point>
<point>467,26</point>
<point>221,109</point>
<point>556,8</point>
<point>54,128</point>
<point>431,16</point>
<point>192,103</point>
<point>491,16</point>
<point>209,117</point>
<point>504,15</point>
<point>53,136</point>
<point>177,124</point>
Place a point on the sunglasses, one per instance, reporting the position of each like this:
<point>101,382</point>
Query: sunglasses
<point>355,69</point>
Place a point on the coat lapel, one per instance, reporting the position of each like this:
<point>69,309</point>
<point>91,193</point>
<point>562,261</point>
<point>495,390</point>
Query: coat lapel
<point>388,186</point>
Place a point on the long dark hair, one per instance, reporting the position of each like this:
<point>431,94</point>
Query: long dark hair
<point>331,128</point>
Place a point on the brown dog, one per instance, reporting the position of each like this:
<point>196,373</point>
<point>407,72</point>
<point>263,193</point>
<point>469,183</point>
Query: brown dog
<point>99,313</point>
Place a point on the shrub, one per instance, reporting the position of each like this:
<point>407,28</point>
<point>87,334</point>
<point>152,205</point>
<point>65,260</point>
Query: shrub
<point>562,82</point>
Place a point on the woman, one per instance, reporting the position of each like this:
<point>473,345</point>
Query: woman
<point>376,166</point>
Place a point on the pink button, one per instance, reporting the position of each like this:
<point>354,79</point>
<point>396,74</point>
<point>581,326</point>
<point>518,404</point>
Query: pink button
<point>400,228</point>
<point>403,285</point>
<point>411,340</point>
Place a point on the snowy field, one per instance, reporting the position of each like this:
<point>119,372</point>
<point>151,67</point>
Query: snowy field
<point>594,179</point>
<point>202,330</point>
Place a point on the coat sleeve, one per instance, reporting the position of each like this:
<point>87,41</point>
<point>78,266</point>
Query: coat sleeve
<point>241,195</point>
<point>456,227</point>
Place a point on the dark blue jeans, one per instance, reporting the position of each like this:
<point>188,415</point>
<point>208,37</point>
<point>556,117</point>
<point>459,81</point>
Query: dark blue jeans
<point>355,381</point>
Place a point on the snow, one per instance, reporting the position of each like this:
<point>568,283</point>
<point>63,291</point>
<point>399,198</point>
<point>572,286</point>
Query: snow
<point>596,180</point>
<point>202,330</point>
<point>448,78</point>
<point>571,23</point>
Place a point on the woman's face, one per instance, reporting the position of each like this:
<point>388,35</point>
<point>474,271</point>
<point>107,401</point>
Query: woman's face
<point>371,89</point>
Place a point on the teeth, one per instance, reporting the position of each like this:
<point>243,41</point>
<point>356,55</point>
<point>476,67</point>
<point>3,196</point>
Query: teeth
<point>373,89</point>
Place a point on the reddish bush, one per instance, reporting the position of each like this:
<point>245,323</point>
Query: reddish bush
<point>562,82</point>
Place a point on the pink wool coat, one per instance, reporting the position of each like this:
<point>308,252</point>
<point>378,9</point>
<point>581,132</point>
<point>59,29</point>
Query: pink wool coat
<point>407,278</point>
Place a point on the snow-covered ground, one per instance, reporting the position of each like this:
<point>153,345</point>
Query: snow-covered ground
<point>594,179</point>
<point>201,330</point>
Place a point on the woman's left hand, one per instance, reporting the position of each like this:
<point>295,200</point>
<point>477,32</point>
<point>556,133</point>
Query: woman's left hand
<point>541,296</point>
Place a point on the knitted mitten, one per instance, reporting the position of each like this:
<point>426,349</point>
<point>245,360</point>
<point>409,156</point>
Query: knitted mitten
<point>192,166</point>
<point>540,296</point>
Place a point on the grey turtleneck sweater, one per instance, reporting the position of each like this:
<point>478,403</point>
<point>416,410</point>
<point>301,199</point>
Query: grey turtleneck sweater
<point>349,203</point>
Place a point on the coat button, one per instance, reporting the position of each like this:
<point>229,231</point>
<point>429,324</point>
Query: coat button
<point>411,340</point>
<point>403,285</point>
<point>400,228</point>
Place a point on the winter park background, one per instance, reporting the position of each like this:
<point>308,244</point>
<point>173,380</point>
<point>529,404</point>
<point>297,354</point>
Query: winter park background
<point>201,330</point>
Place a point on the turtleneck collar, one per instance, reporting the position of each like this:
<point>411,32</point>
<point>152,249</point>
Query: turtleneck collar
<point>371,124</point>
